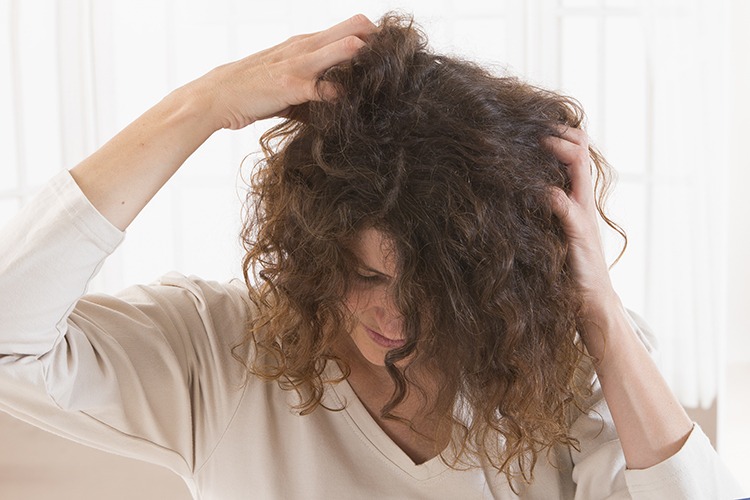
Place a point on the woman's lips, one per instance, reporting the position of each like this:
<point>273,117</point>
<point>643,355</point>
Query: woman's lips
<point>384,341</point>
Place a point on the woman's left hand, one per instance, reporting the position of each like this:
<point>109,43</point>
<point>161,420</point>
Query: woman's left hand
<point>579,216</point>
<point>651,424</point>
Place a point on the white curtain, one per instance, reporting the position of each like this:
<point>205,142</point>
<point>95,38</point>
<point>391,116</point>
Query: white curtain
<point>651,75</point>
<point>50,94</point>
<point>686,282</point>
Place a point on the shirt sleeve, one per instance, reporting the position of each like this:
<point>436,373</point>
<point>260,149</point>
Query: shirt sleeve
<point>599,471</point>
<point>146,373</point>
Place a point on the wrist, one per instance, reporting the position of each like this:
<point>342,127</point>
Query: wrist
<point>599,306</point>
<point>603,325</point>
<point>197,106</point>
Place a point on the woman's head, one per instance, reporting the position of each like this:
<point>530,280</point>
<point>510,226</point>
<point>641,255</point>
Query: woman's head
<point>415,206</point>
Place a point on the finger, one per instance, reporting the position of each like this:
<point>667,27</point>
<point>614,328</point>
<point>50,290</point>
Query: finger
<point>566,151</point>
<point>560,203</point>
<point>357,26</point>
<point>330,55</point>
<point>301,73</point>
<point>578,162</point>
<point>326,91</point>
<point>574,135</point>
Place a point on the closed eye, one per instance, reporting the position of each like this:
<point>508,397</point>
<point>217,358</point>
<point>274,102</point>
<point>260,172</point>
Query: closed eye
<point>371,276</point>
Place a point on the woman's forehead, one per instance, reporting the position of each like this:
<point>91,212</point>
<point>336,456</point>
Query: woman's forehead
<point>374,249</point>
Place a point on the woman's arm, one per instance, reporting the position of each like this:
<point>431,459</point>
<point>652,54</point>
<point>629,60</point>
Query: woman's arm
<point>145,373</point>
<point>121,177</point>
<point>650,422</point>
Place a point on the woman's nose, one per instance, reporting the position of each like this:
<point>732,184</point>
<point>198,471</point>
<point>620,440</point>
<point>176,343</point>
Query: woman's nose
<point>390,322</point>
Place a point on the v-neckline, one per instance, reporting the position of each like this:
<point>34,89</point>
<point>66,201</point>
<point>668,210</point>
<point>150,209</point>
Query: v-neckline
<point>379,441</point>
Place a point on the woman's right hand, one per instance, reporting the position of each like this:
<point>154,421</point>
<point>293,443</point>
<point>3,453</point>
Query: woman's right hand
<point>123,175</point>
<point>268,83</point>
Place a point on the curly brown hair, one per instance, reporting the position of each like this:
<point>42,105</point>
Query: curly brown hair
<point>445,159</point>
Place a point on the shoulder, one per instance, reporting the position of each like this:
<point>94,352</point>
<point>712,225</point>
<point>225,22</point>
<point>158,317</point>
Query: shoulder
<point>195,320</point>
<point>221,297</point>
<point>176,293</point>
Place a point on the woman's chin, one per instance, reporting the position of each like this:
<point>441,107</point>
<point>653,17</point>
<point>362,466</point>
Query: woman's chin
<point>375,356</point>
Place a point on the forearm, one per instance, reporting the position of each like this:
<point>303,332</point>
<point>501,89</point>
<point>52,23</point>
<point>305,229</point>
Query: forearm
<point>651,423</point>
<point>120,178</point>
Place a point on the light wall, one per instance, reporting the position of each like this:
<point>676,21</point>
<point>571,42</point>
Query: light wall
<point>734,399</point>
<point>738,341</point>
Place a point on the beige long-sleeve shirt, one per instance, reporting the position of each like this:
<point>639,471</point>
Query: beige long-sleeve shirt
<point>148,373</point>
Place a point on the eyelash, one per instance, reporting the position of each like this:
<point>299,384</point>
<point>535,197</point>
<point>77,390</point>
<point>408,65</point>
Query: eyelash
<point>371,278</point>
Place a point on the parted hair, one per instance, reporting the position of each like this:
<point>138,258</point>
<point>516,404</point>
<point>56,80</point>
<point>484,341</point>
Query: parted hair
<point>445,158</point>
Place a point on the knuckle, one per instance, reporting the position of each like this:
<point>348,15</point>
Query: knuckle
<point>360,20</point>
<point>582,136</point>
<point>352,43</point>
<point>296,39</point>
<point>582,156</point>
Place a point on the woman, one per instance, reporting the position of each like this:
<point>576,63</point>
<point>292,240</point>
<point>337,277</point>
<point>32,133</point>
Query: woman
<point>422,250</point>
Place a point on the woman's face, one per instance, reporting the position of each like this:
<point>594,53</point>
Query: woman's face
<point>378,327</point>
